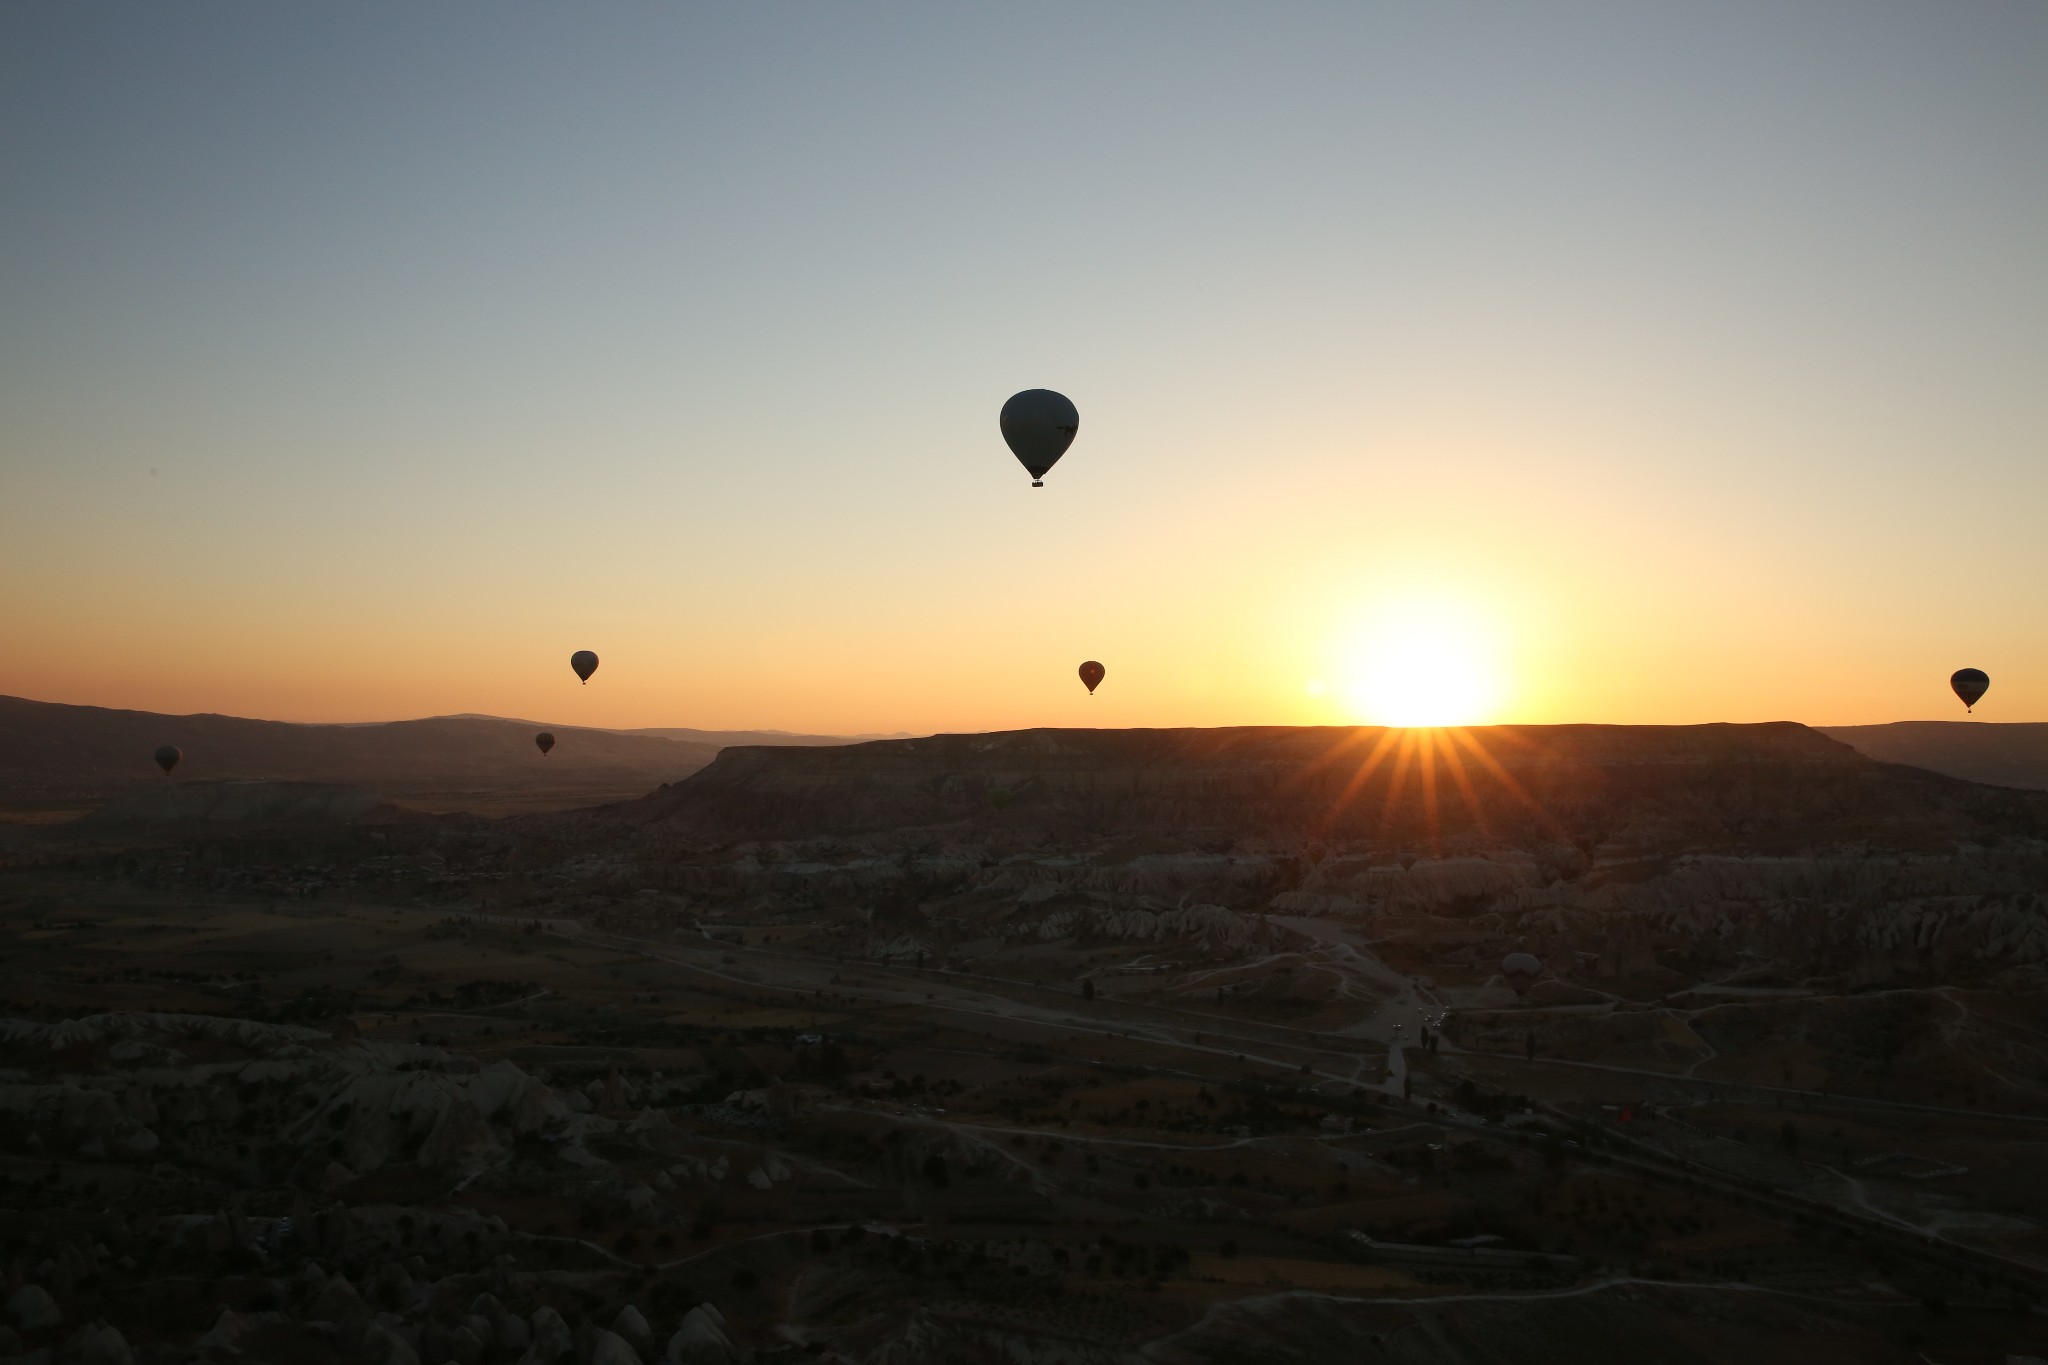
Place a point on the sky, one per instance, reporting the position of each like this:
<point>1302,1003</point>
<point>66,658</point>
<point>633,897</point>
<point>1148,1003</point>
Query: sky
<point>1631,362</point>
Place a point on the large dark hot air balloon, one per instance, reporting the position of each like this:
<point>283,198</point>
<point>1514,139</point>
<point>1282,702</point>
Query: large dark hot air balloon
<point>1039,425</point>
<point>1521,970</point>
<point>1970,684</point>
<point>544,742</point>
<point>1091,674</point>
<point>584,662</point>
<point>167,758</point>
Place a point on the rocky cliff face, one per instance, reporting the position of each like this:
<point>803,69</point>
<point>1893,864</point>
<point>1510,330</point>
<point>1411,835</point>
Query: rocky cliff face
<point>363,1105</point>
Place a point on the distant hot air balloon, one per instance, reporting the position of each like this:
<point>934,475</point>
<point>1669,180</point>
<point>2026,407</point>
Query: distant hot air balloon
<point>1091,674</point>
<point>1970,684</point>
<point>544,742</point>
<point>1521,970</point>
<point>1039,425</point>
<point>167,758</point>
<point>584,662</point>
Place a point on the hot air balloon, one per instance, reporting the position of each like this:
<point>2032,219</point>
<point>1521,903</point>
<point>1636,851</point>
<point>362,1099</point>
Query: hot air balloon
<point>1039,425</point>
<point>544,742</point>
<point>1091,674</point>
<point>1970,684</point>
<point>167,758</point>
<point>584,662</point>
<point>1521,970</point>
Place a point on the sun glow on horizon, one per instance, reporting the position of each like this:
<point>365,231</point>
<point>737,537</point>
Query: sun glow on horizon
<point>1422,663</point>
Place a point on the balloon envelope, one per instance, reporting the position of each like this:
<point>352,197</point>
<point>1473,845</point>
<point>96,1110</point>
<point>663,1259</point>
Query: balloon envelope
<point>1039,425</point>
<point>584,662</point>
<point>1970,684</point>
<point>167,757</point>
<point>1092,674</point>
<point>544,742</point>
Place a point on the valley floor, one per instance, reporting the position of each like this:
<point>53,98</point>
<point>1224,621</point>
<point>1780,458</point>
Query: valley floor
<point>328,1123</point>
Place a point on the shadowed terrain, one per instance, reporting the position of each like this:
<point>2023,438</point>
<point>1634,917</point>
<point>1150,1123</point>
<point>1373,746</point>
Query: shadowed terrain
<point>1653,786</point>
<point>1157,1046</point>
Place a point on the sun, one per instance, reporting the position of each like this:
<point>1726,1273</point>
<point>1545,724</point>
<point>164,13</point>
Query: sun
<point>1421,663</point>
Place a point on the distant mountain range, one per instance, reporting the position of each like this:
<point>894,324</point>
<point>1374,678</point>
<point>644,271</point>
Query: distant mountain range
<point>719,738</point>
<point>54,754</point>
<point>2004,755</point>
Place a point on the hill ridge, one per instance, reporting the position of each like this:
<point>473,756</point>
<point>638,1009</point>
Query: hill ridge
<point>1577,783</point>
<point>56,753</point>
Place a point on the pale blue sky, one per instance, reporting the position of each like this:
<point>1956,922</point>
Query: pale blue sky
<point>1693,351</point>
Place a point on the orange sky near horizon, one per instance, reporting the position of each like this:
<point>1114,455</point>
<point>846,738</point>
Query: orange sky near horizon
<point>1348,619</point>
